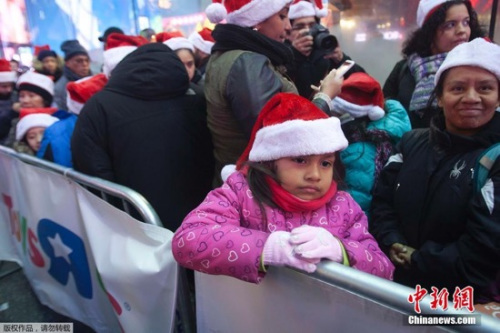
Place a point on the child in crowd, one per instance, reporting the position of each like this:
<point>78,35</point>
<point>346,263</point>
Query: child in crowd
<point>373,128</point>
<point>29,131</point>
<point>282,206</point>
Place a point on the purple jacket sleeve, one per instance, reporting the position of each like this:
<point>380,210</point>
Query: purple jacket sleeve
<point>212,240</point>
<point>362,249</point>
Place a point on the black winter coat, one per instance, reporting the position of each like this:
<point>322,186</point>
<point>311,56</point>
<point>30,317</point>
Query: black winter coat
<point>424,198</point>
<point>147,130</point>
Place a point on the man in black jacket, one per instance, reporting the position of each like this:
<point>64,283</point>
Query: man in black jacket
<point>147,130</point>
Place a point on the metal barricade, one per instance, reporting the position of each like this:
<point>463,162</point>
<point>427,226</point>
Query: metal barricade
<point>126,200</point>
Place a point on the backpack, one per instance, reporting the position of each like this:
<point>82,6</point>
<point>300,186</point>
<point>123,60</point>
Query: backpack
<point>483,165</point>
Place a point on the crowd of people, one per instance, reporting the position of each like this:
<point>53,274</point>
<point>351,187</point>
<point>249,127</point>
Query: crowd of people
<point>253,149</point>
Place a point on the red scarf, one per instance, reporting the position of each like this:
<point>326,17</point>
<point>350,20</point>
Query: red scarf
<point>291,203</point>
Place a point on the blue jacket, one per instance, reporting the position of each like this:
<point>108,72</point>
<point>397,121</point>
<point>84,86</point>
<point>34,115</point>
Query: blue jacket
<point>56,142</point>
<point>358,158</point>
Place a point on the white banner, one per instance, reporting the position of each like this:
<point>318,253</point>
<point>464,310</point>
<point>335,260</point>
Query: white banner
<point>85,258</point>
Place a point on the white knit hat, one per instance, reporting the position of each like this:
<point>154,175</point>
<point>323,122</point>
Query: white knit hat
<point>203,40</point>
<point>118,46</point>
<point>425,8</point>
<point>245,13</point>
<point>361,96</point>
<point>6,74</point>
<point>33,120</point>
<point>79,92</point>
<point>477,53</point>
<point>305,8</point>
<point>37,83</point>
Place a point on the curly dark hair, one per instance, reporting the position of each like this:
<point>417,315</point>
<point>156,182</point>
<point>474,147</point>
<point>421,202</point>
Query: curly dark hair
<point>420,41</point>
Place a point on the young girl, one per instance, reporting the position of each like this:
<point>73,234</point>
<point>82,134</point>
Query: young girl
<point>282,206</point>
<point>29,131</point>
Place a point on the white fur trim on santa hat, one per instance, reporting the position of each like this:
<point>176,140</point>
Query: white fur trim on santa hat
<point>298,138</point>
<point>33,120</point>
<point>477,53</point>
<point>425,7</point>
<point>227,171</point>
<point>374,112</point>
<point>177,43</point>
<point>113,56</point>
<point>301,9</point>
<point>36,79</point>
<point>8,76</point>
<point>248,15</point>
<point>201,44</point>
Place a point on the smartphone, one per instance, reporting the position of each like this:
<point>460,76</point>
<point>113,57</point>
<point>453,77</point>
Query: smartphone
<point>347,65</point>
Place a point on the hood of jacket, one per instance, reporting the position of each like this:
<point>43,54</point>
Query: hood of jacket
<point>152,72</point>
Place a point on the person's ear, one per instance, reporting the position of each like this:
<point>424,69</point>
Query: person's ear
<point>440,104</point>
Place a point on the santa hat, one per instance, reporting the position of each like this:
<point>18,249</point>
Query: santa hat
<point>426,8</point>
<point>245,13</point>
<point>38,83</point>
<point>304,8</point>
<point>6,73</point>
<point>202,40</point>
<point>478,53</point>
<point>290,125</point>
<point>361,96</point>
<point>33,120</point>
<point>118,46</point>
<point>176,43</point>
<point>80,91</point>
<point>163,36</point>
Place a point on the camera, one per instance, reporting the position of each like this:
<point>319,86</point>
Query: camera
<point>322,38</point>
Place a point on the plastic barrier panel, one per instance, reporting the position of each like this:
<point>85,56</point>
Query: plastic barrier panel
<point>83,257</point>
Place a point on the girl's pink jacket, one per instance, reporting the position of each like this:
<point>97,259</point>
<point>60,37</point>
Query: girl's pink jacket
<point>225,233</point>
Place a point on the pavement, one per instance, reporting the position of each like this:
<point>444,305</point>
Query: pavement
<point>19,304</point>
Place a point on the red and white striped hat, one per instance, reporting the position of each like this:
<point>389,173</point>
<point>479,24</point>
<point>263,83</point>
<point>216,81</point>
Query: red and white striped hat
<point>305,8</point>
<point>79,92</point>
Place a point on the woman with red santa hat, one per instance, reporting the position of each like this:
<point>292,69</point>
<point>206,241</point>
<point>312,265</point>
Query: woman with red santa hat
<point>246,69</point>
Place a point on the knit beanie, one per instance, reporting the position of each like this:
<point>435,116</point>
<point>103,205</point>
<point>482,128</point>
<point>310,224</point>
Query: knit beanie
<point>425,10</point>
<point>118,46</point>
<point>72,48</point>
<point>79,92</point>
<point>245,13</point>
<point>361,96</point>
<point>305,8</point>
<point>33,120</point>
<point>46,53</point>
<point>203,40</point>
<point>38,83</point>
<point>290,126</point>
<point>6,73</point>
<point>478,53</point>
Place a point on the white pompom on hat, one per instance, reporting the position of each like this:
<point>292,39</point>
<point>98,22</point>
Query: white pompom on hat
<point>361,96</point>
<point>118,46</point>
<point>478,53</point>
<point>6,73</point>
<point>33,120</point>
<point>38,83</point>
<point>202,40</point>
<point>305,8</point>
<point>245,13</point>
<point>79,92</point>
<point>426,8</point>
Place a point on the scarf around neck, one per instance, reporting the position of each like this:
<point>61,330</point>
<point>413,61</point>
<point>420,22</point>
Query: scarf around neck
<point>423,70</point>
<point>72,76</point>
<point>233,37</point>
<point>290,203</point>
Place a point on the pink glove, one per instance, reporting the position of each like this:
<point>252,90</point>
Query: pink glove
<point>279,252</point>
<point>316,243</point>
